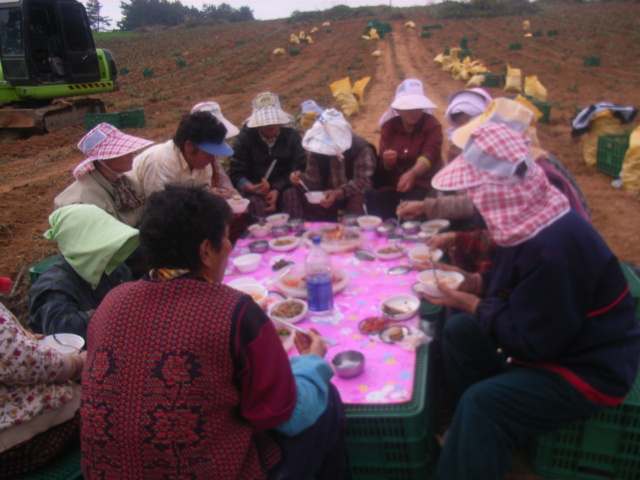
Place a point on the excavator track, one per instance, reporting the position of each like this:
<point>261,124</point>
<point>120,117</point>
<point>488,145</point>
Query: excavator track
<point>50,118</point>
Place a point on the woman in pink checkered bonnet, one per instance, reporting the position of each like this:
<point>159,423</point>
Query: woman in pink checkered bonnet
<point>548,334</point>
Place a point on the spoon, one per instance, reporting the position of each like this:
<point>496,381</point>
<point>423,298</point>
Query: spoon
<point>399,270</point>
<point>362,254</point>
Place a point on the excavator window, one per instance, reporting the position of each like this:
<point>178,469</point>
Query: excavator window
<point>11,32</point>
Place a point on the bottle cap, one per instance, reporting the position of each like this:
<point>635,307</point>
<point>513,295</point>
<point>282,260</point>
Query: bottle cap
<point>5,284</point>
<point>316,240</point>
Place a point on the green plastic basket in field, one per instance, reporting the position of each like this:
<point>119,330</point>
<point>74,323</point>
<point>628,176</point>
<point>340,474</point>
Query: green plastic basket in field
<point>611,152</point>
<point>65,467</point>
<point>40,268</point>
<point>634,285</point>
<point>591,61</point>
<point>491,79</point>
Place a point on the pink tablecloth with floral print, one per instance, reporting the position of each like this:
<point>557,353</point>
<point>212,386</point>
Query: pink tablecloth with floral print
<point>389,369</point>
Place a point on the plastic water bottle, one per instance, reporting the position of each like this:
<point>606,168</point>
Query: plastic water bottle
<point>319,279</point>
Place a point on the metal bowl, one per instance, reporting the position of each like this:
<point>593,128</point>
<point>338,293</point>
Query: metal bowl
<point>259,246</point>
<point>280,231</point>
<point>350,220</point>
<point>384,230</point>
<point>295,224</point>
<point>411,227</point>
<point>348,364</point>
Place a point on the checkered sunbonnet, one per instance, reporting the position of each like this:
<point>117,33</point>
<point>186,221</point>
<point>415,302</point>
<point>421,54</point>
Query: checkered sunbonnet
<point>267,111</point>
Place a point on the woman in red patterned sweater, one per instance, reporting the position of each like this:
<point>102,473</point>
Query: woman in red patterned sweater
<point>186,377</point>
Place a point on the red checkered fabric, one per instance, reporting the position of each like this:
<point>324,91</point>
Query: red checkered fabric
<point>510,191</point>
<point>104,142</point>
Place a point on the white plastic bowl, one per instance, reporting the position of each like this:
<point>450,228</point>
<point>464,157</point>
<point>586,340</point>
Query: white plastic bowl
<point>400,307</point>
<point>450,279</point>
<point>238,205</point>
<point>259,231</point>
<point>248,262</point>
<point>257,292</point>
<point>74,341</point>
<point>314,197</point>
<point>369,222</point>
<point>390,251</point>
<point>274,310</point>
<point>440,224</point>
<point>278,219</point>
<point>422,255</point>
<point>284,244</point>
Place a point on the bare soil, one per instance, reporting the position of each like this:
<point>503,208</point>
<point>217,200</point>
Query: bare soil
<point>232,63</point>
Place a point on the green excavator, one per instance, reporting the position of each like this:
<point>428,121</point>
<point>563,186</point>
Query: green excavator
<point>47,55</point>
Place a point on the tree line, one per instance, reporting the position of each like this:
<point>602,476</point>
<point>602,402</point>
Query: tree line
<point>143,13</point>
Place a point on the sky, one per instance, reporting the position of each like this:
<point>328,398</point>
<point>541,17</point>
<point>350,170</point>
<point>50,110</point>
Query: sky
<point>265,9</point>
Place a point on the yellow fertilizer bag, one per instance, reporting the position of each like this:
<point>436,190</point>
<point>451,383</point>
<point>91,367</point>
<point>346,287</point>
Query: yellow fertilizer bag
<point>630,174</point>
<point>373,33</point>
<point>294,38</point>
<point>513,82</point>
<point>326,24</point>
<point>314,30</point>
<point>439,58</point>
<point>525,102</point>
<point>308,119</point>
<point>410,24</point>
<point>358,89</point>
<point>475,81</point>
<point>534,88</point>
<point>376,54</point>
<point>309,39</point>
<point>278,51</point>
<point>341,91</point>
<point>602,123</point>
<point>526,25</point>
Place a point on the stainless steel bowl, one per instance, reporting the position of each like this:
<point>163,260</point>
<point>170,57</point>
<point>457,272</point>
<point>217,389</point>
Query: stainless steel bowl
<point>295,224</point>
<point>348,364</point>
<point>259,246</point>
<point>411,227</point>
<point>350,220</point>
<point>280,231</point>
<point>384,230</point>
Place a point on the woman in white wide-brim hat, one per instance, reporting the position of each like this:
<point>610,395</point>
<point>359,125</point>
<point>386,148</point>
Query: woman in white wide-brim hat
<point>548,335</point>
<point>266,151</point>
<point>409,150</point>
<point>100,176</point>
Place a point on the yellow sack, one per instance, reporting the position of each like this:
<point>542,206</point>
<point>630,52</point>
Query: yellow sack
<point>341,91</point>
<point>525,101</point>
<point>294,38</point>
<point>278,51</point>
<point>373,33</point>
<point>326,24</point>
<point>301,36</point>
<point>314,30</point>
<point>453,53</point>
<point>439,58</point>
<point>630,173</point>
<point>447,64</point>
<point>528,34</point>
<point>534,88</point>
<point>308,119</point>
<point>366,37</point>
<point>358,89</point>
<point>475,81</point>
<point>513,83</point>
<point>377,53</point>
<point>526,25</point>
<point>309,39</point>
<point>602,123</point>
<point>410,24</point>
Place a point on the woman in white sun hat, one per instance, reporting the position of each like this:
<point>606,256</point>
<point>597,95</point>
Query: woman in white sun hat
<point>409,150</point>
<point>548,335</point>
<point>266,151</point>
<point>100,176</point>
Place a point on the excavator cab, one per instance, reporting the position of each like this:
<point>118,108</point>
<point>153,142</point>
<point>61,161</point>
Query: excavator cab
<point>47,52</point>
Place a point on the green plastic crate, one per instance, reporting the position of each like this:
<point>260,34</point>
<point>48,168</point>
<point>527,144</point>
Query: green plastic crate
<point>605,446</point>
<point>515,46</point>
<point>634,285</point>
<point>464,42</point>
<point>414,471</point>
<point>132,118</point>
<point>544,107</point>
<point>65,467</point>
<point>611,152</point>
<point>591,61</point>
<point>425,35</point>
<point>93,119</point>
<point>40,268</point>
<point>491,79</point>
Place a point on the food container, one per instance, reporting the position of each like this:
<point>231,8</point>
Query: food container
<point>368,222</point>
<point>295,224</point>
<point>389,252</point>
<point>410,227</point>
<point>439,224</point>
<point>257,292</point>
<point>422,255</point>
<point>350,220</point>
<point>238,205</point>
<point>284,244</point>
<point>259,246</point>
<point>394,334</point>
<point>291,310</point>
<point>449,278</point>
<point>373,325</point>
<point>315,196</point>
<point>348,364</point>
<point>248,262</point>
<point>400,307</point>
<point>280,231</point>
<point>278,219</point>
<point>260,231</point>
<point>384,230</point>
<point>65,343</point>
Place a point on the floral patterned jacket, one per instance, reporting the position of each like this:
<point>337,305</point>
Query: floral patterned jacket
<point>27,371</point>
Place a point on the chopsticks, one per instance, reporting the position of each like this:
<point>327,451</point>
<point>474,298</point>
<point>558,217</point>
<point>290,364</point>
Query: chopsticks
<point>329,342</point>
<point>304,186</point>
<point>273,164</point>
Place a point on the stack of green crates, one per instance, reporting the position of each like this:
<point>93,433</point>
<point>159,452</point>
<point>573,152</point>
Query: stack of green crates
<point>123,119</point>
<point>40,268</point>
<point>393,441</point>
<point>611,152</point>
<point>634,285</point>
<point>605,446</point>
<point>491,79</point>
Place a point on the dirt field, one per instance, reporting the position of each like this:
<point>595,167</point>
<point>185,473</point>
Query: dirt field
<point>233,63</point>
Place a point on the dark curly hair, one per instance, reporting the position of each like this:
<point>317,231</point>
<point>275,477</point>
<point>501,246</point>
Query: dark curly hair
<point>199,127</point>
<point>176,221</point>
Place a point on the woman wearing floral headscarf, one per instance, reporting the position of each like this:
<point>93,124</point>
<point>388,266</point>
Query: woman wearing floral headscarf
<point>548,335</point>
<point>99,177</point>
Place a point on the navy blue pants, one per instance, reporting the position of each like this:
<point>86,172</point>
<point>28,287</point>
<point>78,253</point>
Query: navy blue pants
<point>498,406</point>
<point>318,452</point>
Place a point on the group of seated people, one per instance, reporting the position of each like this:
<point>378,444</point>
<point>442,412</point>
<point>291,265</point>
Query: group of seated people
<point>185,377</point>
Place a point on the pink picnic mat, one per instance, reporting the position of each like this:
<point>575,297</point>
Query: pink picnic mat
<point>389,369</point>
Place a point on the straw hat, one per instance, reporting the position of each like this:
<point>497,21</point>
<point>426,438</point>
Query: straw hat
<point>214,109</point>
<point>267,111</point>
<point>507,112</point>
<point>103,142</point>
